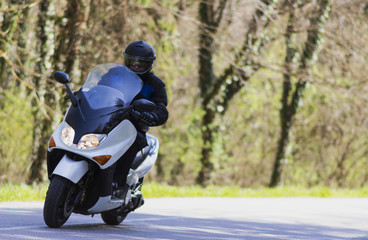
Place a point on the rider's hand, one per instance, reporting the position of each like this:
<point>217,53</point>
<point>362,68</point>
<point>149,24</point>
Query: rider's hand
<point>148,118</point>
<point>145,117</point>
<point>135,114</point>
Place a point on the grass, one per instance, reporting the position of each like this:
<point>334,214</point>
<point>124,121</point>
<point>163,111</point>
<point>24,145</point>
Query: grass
<point>159,190</point>
<point>10,192</point>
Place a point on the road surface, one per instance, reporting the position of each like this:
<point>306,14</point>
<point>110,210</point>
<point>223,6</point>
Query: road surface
<point>203,218</point>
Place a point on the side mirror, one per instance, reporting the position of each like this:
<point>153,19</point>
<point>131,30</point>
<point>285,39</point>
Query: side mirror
<point>61,77</point>
<point>144,105</point>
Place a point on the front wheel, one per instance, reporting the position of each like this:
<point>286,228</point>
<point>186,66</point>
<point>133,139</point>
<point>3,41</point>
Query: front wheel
<point>59,202</point>
<point>112,217</point>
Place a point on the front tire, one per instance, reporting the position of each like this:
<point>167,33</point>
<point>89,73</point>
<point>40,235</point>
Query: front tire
<point>59,202</point>
<point>112,217</point>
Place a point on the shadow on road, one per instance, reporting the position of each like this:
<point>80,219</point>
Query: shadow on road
<point>28,224</point>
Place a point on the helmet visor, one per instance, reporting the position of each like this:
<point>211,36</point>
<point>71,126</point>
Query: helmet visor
<point>138,65</point>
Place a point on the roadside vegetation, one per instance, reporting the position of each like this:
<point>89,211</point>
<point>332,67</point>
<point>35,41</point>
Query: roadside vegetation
<point>262,93</point>
<point>22,192</point>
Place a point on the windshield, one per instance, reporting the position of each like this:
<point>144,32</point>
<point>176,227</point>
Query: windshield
<point>111,84</point>
<point>108,90</point>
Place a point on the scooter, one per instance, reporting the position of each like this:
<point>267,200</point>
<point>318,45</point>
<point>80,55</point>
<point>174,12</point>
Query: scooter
<point>83,150</point>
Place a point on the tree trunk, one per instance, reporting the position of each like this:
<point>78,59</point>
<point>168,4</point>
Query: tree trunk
<point>216,93</point>
<point>44,94</point>
<point>288,110</point>
<point>68,40</point>
<point>63,59</point>
<point>284,112</point>
<point>208,28</point>
<point>67,46</point>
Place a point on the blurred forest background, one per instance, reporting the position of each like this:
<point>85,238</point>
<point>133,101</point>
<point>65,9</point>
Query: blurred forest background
<point>261,92</point>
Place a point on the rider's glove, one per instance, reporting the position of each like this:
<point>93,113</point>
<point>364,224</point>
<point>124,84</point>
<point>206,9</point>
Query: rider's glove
<point>135,114</point>
<point>148,118</point>
<point>145,117</point>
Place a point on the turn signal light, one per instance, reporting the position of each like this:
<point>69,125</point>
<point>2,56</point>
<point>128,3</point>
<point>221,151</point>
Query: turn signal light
<point>52,143</point>
<point>102,159</point>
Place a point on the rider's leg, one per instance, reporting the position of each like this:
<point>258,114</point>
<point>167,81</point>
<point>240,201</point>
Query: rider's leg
<point>124,163</point>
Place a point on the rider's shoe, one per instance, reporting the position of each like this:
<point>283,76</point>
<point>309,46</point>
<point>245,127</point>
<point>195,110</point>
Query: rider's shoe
<point>137,200</point>
<point>121,192</point>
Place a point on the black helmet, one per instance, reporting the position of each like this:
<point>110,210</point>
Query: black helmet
<point>139,56</point>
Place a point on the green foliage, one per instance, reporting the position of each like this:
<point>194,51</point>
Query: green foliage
<point>15,136</point>
<point>328,145</point>
<point>145,3</point>
<point>248,133</point>
<point>151,190</point>
<point>22,192</point>
<point>180,145</point>
<point>9,192</point>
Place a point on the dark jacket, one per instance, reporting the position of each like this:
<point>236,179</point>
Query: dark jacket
<point>155,91</point>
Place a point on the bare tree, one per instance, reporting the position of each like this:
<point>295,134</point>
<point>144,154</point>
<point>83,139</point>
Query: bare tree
<point>216,92</point>
<point>69,36</point>
<point>307,59</point>
<point>48,97</point>
<point>44,88</point>
<point>210,17</point>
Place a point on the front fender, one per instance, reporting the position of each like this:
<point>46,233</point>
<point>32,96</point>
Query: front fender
<point>71,169</point>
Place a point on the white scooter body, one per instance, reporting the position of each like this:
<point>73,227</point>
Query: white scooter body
<point>114,144</point>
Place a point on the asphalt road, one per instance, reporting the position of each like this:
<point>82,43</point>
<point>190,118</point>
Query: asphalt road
<point>203,218</point>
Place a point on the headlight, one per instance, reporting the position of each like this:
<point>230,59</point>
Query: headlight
<point>67,135</point>
<point>90,140</point>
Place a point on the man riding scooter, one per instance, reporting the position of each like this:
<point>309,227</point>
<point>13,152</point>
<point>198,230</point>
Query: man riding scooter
<point>139,56</point>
